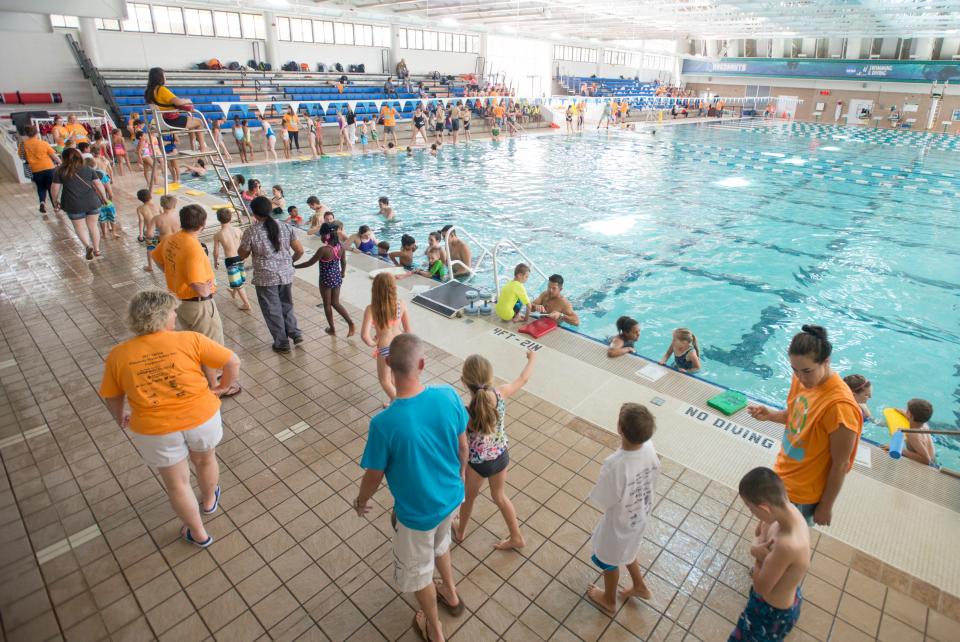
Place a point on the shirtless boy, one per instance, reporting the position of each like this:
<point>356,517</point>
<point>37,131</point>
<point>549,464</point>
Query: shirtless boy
<point>228,238</point>
<point>459,251</point>
<point>781,548</point>
<point>553,304</point>
<point>146,212</point>
<point>163,225</point>
<point>386,211</point>
<point>404,258</point>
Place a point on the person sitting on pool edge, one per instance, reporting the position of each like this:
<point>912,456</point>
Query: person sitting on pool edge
<point>513,296</point>
<point>553,304</point>
<point>404,257</point>
<point>919,448</point>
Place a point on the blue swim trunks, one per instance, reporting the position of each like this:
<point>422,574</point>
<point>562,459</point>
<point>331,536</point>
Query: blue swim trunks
<point>603,566</point>
<point>761,622</point>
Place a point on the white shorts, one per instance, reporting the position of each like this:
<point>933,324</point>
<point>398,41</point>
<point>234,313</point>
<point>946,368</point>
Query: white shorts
<point>414,553</point>
<point>161,451</point>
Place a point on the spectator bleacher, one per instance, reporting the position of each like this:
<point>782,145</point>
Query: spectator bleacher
<point>206,88</point>
<point>610,87</point>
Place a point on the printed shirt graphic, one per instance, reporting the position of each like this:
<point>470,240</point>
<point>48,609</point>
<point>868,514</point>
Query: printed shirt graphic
<point>812,415</point>
<point>625,491</point>
<point>161,377</point>
<point>489,447</point>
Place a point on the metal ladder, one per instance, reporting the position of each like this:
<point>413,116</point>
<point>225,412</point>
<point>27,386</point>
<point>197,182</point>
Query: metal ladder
<point>211,152</point>
<point>486,252</point>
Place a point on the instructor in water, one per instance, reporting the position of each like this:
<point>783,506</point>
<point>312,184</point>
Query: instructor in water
<point>822,428</point>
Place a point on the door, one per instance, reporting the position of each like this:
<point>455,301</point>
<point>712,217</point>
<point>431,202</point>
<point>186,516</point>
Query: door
<point>788,105</point>
<point>859,111</point>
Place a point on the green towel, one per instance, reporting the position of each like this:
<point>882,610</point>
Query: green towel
<point>728,402</point>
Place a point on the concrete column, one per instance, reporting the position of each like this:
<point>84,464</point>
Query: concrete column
<point>270,41</point>
<point>888,48</point>
<point>853,48</point>
<point>395,48</point>
<point>88,40</point>
<point>776,47</point>
<point>599,62</point>
<point>835,47</point>
<point>713,49</point>
<point>809,47</point>
<point>949,48</point>
<point>924,48</point>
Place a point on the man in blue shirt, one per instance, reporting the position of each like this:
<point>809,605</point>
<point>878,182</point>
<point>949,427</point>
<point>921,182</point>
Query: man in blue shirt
<point>419,443</point>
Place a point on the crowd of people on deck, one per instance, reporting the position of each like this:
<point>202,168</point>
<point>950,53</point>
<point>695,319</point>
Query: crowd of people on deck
<point>434,450</point>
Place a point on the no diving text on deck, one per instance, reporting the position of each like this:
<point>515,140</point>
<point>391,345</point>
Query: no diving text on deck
<point>506,335</point>
<point>716,421</point>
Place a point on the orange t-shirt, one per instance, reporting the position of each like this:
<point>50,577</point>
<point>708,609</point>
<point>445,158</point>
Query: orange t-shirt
<point>183,262</point>
<point>161,377</point>
<point>498,111</point>
<point>78,133</point>
<point>291,122</point>
<point>812,415</point>
<point>389,116</point>
<point>38,154</point>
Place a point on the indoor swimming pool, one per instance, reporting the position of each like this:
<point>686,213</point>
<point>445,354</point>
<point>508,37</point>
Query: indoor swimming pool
<point>741,234</point>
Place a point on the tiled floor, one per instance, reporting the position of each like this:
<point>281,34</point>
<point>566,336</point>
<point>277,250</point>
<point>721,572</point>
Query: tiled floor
<point>89,543</point>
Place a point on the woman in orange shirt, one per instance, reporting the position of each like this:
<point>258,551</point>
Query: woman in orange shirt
<point>174,414</point>
<point>822,428</point>
<point>41,159</point>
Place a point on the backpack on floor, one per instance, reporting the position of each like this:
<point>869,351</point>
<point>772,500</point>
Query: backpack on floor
<point>361,68</point>
<point>352,69</point>
<point>321,66</point>
<point>338,67</point>
<point>265,66</point>
<point>253,64</point>
<point>291,66</point>
<point>234,66</point>
<point>213,63</point>
<point>304,66</point>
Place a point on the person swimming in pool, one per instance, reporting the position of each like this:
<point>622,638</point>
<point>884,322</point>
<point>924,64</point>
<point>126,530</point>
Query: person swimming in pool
<point>553,304</point>
<point>628,332</point>
<point>685,351</point>
<point>363,241</point>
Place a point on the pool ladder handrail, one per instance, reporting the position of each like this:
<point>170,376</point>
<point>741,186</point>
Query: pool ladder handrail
<point>507,243</point>
<point>485,252</point>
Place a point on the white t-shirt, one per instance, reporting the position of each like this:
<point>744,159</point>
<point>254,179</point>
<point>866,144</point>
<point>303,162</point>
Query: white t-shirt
<point>625,492</point>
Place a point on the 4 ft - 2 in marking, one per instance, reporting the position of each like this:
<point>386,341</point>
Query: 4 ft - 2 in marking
<point>506,335</point>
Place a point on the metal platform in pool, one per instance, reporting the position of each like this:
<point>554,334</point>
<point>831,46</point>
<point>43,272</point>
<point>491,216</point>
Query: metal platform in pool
<point>446,299</point>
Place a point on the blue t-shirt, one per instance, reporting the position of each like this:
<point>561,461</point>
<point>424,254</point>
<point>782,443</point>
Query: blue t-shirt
<point>416,443</point>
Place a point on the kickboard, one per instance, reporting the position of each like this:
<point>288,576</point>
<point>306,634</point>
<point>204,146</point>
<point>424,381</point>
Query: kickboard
<point>395,271</point>
<point>220,206</point>
<point>538,328</point>
<point>194,192</point>
<point>895,420</point>
<point>728,402</point>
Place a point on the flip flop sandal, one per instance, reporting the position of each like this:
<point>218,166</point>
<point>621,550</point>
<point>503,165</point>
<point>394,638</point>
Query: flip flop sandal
<point>455,611</point>
<point>235,390</point>
<point>216,503</point>
<point>89,254</point>
<point>424,633</point>
<point>187,537</point>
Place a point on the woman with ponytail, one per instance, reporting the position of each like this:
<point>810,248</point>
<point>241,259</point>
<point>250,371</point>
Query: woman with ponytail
<point>274,247</point>
<point>487,442</point>
<point>823,425</point>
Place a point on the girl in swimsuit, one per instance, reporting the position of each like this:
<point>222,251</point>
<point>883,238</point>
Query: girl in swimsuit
<point>120,151</point>
<point>685,351</point>
<point>218,139</point>
<point>387,316</point>
<point>252,191</point>
<point>238,135</point>
<point>269,140</point>
<point>628,331</point>
<point>278,201</point>
<point>344,140</point>
<point>333,265</point>
<point>312,138</point>
<point>145,151</point>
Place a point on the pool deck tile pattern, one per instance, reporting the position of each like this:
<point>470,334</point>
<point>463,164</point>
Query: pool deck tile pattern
<point>90,545</point>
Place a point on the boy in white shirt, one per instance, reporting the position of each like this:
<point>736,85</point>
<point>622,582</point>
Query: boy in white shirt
<point>625,491</point>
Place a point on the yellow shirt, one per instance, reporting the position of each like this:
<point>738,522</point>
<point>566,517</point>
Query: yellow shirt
<point>291,122</point>
<point>38,154</point>
<point>161,377</point>
<point>77,132</point>
<point>183,262</point>
<point>512,293</point>
<point>389,116</point>
<point>163,98</point>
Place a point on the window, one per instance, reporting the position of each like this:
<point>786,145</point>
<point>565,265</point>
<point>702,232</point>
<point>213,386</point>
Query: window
<point>107,24</point>
<point>198,22</point>
<point>576,54</point>
<point>138,18</point>
<point>252,26</point>
<point>417,42</point>
<point>294,29</point>
<point>402,38</point>
<point>168,19</point>
<point>363,35</point>
<point>323,31</point>
<point>381,36</point>
<point>64,22</point>
<point>434,41</point>
<point>226,24</point>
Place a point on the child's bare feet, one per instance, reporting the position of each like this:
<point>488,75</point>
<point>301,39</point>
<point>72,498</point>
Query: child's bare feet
<point>640,592</point>
<point>598,597</point>
<point>148,268</point>
<point>116,235</point>
<point>331,331</point>
<point>351,330</point>
<point>245,308</point>
<point>510,544</point>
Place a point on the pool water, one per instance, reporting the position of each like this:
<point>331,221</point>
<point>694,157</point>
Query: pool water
<point>740,233</point>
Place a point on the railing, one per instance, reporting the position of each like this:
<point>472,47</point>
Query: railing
<point>457,263</point>
<point>90,72</point>
<point>506,243</point>
<point>10,153</point>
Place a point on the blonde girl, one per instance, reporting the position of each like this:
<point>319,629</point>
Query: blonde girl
<point>386,316</point>
<point>487,444</point>
<point>685,351</point>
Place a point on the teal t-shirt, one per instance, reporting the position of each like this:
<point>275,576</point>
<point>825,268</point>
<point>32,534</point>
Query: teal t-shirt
<point>510,294</point>
<point>416,443</point>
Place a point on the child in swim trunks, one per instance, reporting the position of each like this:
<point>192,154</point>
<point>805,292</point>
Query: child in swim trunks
<point>383,250</point>
<point>228,239</point>
<point>628,331</point>
<point>625,492</point>
<point>293,216</point>
<point>404,258</point>
<point>919,448</point>
<point>436,270</point>
<point>781,548</point>
<point>387,317</point>
<point>146,212</point>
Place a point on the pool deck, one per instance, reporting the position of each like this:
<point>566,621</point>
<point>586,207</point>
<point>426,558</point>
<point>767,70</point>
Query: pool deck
<point>90,543</point>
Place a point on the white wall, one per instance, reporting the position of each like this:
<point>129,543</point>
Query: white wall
<point>141,51</point>
<point>49,67</point>
<point>423,62</point>
<point>606,71</point>
<point>521,58</point>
